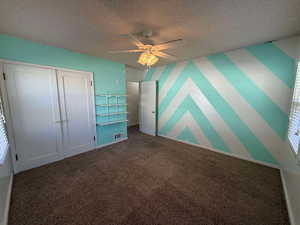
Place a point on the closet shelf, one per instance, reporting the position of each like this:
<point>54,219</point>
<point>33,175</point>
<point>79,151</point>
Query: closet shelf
<point>111,104</point>
<point>111,95</point>
<point>111,122</point>
<point>112,100</point>
<point>112,113</point>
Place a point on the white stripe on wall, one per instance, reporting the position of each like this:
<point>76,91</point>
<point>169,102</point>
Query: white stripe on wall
<point>270,84</point>
<point>187,120</point>
<point>157,72</point>
<point>245,111</point>
<point>291,46</point>
<point>218,123</point>
<point>175,102</point>
<point>171,79</point>
<point>208,110</point>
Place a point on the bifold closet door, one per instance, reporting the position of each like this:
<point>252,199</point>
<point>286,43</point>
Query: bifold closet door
<point>34,109</point>
<point>77,111</point>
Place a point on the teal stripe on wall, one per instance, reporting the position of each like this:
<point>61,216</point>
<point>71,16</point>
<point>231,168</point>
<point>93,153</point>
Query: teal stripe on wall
<point>173,91</point>
<point>258,120</point>
<point>255,148</point>
<point>165,74</point>
<point>149,74</point>
<point>270,112</point>
<point>187,135</point>
<point>282,65</point>
<point>188,105</point>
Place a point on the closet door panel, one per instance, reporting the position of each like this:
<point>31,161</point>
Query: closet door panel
<point>33,101</point>
<point>77,112</point>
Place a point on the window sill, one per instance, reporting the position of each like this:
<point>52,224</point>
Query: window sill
<point>3,156</point>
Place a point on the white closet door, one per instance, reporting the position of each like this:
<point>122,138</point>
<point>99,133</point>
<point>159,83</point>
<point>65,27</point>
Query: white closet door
<point>33,102</point>
<point>78,114</point>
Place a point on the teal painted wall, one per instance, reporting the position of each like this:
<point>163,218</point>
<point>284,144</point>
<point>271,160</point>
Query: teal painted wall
<point>105,72</point>
<point>237,101</point>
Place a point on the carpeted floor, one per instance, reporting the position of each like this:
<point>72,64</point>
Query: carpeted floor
<point>148,181</point>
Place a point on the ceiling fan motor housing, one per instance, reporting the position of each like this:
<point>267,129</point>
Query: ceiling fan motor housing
<point>147,33</point>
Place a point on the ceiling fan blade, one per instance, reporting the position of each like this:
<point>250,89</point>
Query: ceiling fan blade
<point>136,41</point>
<point>125,51</point>
<point>169,44</point>
<point>164,55</point>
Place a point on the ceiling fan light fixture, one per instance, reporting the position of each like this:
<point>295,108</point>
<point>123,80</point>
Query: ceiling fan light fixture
<point>147,59</point>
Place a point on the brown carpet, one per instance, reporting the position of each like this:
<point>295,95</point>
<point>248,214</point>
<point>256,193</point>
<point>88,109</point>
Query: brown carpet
<point>148,181</point>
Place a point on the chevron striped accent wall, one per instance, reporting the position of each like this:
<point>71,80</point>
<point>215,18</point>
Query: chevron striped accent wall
<point>236,102</point>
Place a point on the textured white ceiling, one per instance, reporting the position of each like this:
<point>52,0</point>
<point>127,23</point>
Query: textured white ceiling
<point>95,26</point>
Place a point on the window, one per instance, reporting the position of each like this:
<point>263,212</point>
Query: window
<point>294,124</point>
<point>3,136</point>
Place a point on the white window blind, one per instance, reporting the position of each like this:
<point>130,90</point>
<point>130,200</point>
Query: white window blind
<point>294,121</point>
<point>3,136</point>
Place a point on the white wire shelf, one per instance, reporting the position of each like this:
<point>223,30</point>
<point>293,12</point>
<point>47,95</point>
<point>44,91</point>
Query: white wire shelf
<point>112,113</point>
<point>111,122</point>
<point>110,103</point>
<point>121,104</point>
<point>112,95</point>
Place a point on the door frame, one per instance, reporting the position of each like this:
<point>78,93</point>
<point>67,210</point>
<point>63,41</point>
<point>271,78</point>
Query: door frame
<point>7,113</point>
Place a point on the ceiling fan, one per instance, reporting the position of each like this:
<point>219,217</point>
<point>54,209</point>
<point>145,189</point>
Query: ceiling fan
<point>150,52</point>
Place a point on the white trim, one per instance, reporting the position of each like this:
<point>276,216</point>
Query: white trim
<point>68,155</point>
<point>224,153</point>
<point>111,143</point>
<point>7,203</point>
<point>287,199</point>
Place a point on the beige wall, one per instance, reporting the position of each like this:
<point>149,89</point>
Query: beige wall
<point>290,165</point>
<point>133,103</point>
<point>133,76</point>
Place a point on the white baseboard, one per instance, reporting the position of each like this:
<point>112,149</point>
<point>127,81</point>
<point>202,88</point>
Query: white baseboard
<point>290,212</point>
<point>7,203</point>
<point>288,203</point>
<point>224,153</point>
<point>95,147</point>
<point>287,199</point>
<point>111,143</point>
